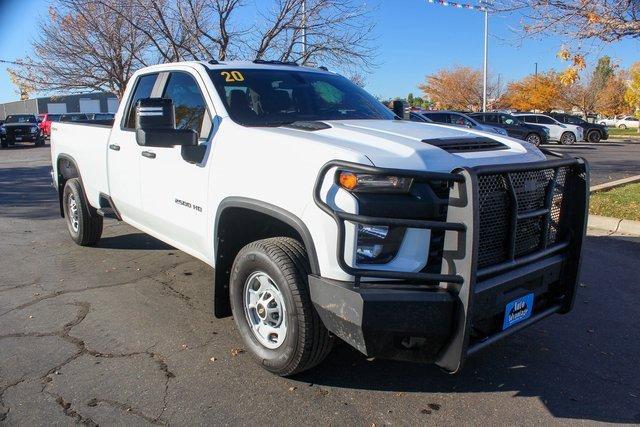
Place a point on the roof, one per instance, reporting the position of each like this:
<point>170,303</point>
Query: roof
<point>259,65</point>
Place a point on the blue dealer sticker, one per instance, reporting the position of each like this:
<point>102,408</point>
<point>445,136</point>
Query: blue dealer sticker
<point>517,311</point>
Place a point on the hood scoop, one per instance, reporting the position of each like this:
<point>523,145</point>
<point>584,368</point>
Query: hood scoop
<point>466,144</point>
<point>308,125</point>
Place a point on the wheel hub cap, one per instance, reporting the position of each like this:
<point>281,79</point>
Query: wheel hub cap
<point>264,310</point>
<point>73,212</point>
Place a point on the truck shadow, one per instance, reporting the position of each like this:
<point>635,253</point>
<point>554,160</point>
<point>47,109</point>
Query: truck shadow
<point>133,241</point>
<point>581,366</point>
<point>26,192</point>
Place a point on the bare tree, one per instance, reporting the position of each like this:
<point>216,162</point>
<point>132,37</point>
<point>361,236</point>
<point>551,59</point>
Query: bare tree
<point>607,20</point>
<point>98,44</point>
<point>91,48</point>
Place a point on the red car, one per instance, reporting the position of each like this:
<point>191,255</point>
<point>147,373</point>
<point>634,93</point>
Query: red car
<point>45,123</point>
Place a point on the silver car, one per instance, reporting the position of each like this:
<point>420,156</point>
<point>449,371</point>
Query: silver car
<point>456,119</point>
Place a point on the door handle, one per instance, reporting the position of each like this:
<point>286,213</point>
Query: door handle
<point>114,147</point>
<point>148,154</point>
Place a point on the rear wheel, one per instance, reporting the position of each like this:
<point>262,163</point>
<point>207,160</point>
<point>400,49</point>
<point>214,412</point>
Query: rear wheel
<point>272,307</point>
<point>83,222</point>
<point>622,126</point>
<point>534,139</point>
<point>568,138</point>
<point>594,136</point>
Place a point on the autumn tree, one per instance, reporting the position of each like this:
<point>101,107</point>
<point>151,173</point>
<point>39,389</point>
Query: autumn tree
<point>606,20</point>
<point>458,88</point>
<point>98,44</point>
<point>632,95</point>
<point>534,92</point>
<point>611,100</point>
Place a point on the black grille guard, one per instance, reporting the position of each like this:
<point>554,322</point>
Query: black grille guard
<point>459,273</point>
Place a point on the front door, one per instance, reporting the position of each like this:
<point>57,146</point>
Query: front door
<point>174,191</point>
<point>123,156</point>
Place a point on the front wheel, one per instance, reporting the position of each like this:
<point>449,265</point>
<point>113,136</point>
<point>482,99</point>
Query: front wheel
<point>594,137</point>
<point>622,126</point>
<point>534,139</point>
<point>272,307</point>
<point>568,138</point>
<point>83,222</point>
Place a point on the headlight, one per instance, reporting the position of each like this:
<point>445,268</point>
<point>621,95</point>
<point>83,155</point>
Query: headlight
<point>580,130</point>
<point>364,182</point>
<point>546,131</point>
<point>34,129</point>
<point>378,244</point>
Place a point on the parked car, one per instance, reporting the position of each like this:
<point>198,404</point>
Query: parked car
<point>2,131</point>
<point>515,128</point>
<point>623,122</point>
<point>565,134</point>
<point>458,119</point>
<point>45,123</point>
<point>415,116</point>
<point>22,128</point>
<point>593,132</point>
<point>325,216</point>
<point>73,117</point>
<point>100,116</point>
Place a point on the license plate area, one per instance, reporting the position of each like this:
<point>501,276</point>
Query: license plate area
<point>518,310</point>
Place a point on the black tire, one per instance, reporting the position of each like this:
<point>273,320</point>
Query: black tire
<point>568,138</point>
<point>40,141</point>
<point>622,126</point>
<point>88,230</point>
<point>534,139</point>
<point>307,342</point>
<point>4,144</point>
<point>594,136</point>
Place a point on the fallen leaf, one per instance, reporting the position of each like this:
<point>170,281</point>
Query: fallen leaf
<point>213,359</point>
<point>30,317</point>
<point>184,346</point>
<point>434,406</point>
<point>293,388</point>
<point>236,351</point>
<point>426,411</point>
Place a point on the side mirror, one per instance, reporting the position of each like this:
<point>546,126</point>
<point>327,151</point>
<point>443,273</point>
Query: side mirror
<point>156,125</point>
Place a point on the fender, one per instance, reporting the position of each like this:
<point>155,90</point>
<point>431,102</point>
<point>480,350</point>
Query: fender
<point>71,160</point>
<point>276,212</point>
<point>221,289</point>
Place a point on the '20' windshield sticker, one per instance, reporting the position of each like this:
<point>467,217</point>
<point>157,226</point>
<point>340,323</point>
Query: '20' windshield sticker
<point>232,76</point>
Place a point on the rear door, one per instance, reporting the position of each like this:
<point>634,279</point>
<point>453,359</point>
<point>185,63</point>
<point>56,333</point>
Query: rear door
<point>555,128</point>
<point>513,128</point>
<point>123,155</point>
<point>174,191</point>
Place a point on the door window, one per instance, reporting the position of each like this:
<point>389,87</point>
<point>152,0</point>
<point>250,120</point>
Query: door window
<point>188,102</point>
<point>438,117</point>
<point>544,120</point>
<point>143,89</point>
<point>529,119</point>
<point>459,120</point>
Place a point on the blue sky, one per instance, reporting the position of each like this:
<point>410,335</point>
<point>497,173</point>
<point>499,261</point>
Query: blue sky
<point>413,39</point>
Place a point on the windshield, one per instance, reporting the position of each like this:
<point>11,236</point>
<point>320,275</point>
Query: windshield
<point>259,97</point>
<point>22,118</point>
<point>53,117</point>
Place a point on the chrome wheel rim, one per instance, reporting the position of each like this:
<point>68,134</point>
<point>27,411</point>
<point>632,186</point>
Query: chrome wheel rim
<point>73,212</point>
<point>264,310</point>
<point>534,139</point>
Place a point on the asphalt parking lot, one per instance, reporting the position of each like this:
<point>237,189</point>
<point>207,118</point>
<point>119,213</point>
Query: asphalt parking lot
<point>609,160</point>
<point>122,334</point>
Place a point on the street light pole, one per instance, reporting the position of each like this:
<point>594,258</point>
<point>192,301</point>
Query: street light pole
<point>483,7</point>
<point>486,49</point>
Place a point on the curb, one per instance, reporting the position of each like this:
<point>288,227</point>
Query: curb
<point>614,225</point>
<point>616,183</point>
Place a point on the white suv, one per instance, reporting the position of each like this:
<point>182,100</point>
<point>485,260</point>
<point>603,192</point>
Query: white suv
<point>565,134</point>
<point>622,122</point>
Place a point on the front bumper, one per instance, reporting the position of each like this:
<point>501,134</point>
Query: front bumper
<point>446,317</point>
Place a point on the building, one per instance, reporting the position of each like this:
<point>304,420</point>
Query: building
<point>102,102</point>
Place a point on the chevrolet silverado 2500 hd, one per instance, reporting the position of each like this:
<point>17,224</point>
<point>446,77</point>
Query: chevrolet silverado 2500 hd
<point>326,216</point>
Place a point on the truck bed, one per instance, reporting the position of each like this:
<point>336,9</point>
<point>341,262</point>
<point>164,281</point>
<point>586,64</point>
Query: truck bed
<point>86,144</point>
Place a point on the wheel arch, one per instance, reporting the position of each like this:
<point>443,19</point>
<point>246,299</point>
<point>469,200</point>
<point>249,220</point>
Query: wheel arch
<point>241,220</point>
<point>67,168</point>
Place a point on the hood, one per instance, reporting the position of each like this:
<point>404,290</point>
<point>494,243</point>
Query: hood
<point>17,125</point>
<point>399,144</point>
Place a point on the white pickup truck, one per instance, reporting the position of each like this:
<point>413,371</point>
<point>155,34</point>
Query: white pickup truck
<point>325,215</point>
